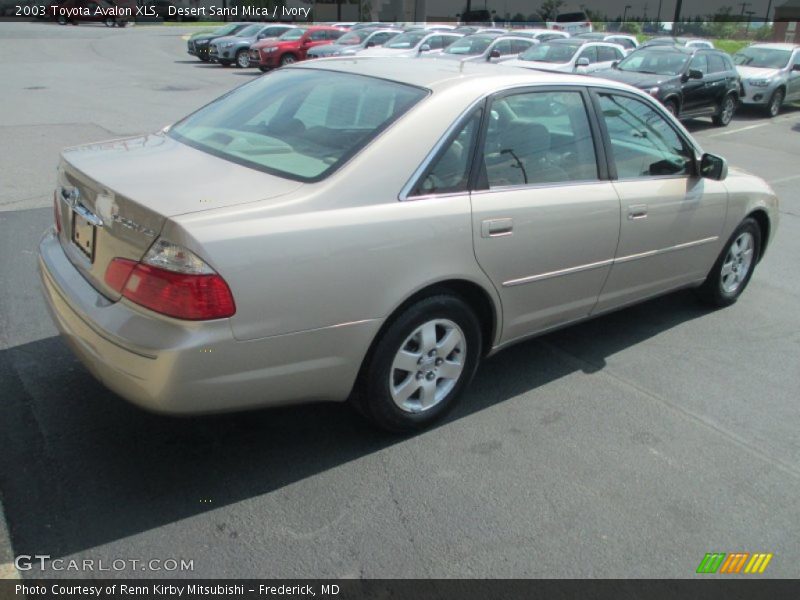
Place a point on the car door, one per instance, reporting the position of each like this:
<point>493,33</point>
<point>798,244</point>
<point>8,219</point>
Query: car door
<point>671,219</point>
<point>545,217</point>
<point>311,39</point>
<point>793,85</point>
<point>718,81</point>
<point>501,47</point>
<point>696,93</point>
<point>589,52</point>
<point>608,55</point>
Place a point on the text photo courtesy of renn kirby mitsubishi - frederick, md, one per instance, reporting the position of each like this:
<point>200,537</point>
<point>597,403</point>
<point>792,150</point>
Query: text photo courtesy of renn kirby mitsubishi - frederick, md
<point>399,298</point>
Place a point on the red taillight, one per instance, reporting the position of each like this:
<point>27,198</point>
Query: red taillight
<point>194,297</point>
<point>56,214</point>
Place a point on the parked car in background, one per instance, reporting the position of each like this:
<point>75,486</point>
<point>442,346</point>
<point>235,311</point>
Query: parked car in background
<point>485,47</point>
<point>628,42</point>
<point>371,229</point>
<point>770,75</point>
<point>571,21</point>
<point>689,82</point>
<point>292,46</point>
<point>569,56</point>
<point>234,49</point>
<point>352,42</point>
<point>198,44</point>
<point>679,41</point>
<point>414,43</point>
<point>86,11</point>
<point>542,35</point>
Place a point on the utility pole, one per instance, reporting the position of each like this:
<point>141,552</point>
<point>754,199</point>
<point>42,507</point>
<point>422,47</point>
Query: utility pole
<point>769,8</point>
<point>744,5</point>
<point>658,17</point>
<point>677,17</point>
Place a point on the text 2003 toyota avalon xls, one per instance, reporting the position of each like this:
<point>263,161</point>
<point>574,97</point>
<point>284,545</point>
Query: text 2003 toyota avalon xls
<point>329,231</point>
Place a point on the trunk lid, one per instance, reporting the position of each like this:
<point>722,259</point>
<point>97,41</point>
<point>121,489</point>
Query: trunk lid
<point>114,197</point>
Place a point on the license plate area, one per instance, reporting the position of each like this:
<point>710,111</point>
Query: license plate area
<point>83,235</point>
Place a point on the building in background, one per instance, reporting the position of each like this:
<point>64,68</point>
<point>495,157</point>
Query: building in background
<point>787,22</point>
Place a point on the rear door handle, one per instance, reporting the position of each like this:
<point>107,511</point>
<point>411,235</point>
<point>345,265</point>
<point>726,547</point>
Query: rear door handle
<point>497,228</point>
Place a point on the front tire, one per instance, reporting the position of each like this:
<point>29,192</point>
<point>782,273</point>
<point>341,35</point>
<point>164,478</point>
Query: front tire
<point>733,269</point>
<point>242,59</point>
<point>109,22</point>
<point>288,59</point>
<point>672,107</point>
<point>420,364</point>
<point>774,106</point>
<point>725,112</point>
<point>62,20</point>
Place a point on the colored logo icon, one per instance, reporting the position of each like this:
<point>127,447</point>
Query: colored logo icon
<point>735,562</point>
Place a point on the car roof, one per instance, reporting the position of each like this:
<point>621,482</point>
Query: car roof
<point>439,75</point>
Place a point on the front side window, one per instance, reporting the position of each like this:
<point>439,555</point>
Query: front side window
<point>404,41</point>
<point>643,143</point>
<point>470,46</point>
<point>449,172</point>
<point>699,63</point>
<point>589,53</point>
<point>538,138</point>
<point>293,34</point>
<point>299,124</point>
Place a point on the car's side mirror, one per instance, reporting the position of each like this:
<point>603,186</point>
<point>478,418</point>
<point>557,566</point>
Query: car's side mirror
<point>796,67</point>
<point>695,74</point>
<point>424,48</point>
<point>494,54</point>
<point>713,167</point>
<point>614,64</point>
<point>582,62</point>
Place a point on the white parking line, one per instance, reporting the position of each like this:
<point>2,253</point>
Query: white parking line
<point>731,131</point>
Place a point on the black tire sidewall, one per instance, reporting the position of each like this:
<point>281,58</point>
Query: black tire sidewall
<point>719,117</point>
<point>711,290</point>
<point>772,98</point>
<point>374,396</point>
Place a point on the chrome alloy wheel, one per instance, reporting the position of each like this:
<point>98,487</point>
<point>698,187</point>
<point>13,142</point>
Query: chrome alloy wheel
<point>737,263</point>
<point>728,108</point>
<point>775,103</point>
<point>428,365</point>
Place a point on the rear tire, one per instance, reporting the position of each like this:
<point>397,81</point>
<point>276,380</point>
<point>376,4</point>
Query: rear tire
<point>773,107</point>
<point>733,269</point>
<point>109,22</point>
<point>420,364</point>
<point>263,69</point>
<point>725,112</point>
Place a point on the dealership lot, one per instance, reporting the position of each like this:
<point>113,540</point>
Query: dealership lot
<point>630,445</point>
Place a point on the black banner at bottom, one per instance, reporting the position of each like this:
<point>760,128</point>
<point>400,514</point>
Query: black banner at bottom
<point>388,589</point>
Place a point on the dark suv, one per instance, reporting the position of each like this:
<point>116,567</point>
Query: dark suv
<point>690,82</point>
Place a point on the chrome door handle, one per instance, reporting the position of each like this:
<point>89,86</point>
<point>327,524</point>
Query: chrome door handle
<point>637,212</point>
<point>497,227</point>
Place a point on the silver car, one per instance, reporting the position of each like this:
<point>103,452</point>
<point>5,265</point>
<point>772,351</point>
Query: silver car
<point>485,47</point>
<point>234,49</point>
<point>572,55</point>
<point>770,75</point>
<point>370,229</point>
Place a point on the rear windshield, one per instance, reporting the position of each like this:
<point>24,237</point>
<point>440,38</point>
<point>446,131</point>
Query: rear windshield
<point>571,17</point>
<point>297,123</point>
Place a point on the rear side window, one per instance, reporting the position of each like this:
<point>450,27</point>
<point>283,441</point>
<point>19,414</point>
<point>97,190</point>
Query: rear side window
<point>643,143</point>
<point>537,138</point>
<point>518,46</point>
<point>449,172</point>
<point>299,124</point>
<point>624,42</point>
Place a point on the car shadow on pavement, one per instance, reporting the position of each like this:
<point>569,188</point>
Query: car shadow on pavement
<point>744,115</point>
<point>80,467</point>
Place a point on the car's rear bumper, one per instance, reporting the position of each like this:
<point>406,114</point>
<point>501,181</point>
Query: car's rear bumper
<point>183,367</point>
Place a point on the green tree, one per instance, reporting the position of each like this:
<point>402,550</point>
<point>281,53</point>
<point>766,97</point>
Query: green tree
<point>548,11</point>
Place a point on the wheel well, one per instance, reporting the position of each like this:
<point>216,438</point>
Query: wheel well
<point>674,98</point>
<point>471,293</point>
<point>762,219</point>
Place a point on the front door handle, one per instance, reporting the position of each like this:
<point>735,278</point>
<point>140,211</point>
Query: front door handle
<point>637,212</point>
<point>497,227</point>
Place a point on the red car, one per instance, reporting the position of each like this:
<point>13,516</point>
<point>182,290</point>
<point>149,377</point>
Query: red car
<point>291,46</point>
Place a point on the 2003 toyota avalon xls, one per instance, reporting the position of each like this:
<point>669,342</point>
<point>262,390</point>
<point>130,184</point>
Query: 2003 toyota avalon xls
<point>370,228</point>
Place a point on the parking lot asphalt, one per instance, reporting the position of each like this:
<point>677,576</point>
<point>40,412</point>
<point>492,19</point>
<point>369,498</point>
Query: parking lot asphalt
<point>627,446</point>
